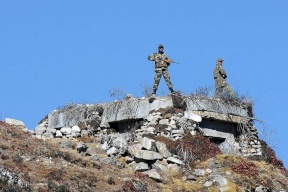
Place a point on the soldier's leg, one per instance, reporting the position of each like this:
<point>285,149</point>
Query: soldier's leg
<point>167,80</point>
<point>157,77</point>
<point>218,89</point>
<point>228,89</point>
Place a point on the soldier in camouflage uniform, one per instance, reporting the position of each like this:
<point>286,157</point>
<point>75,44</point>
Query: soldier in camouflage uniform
<point>162,62</point>
<point>220,77</point>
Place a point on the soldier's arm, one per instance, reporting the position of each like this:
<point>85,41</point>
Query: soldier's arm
<point>223,73</point>
<point>152,57</point>
<point>168,60</point>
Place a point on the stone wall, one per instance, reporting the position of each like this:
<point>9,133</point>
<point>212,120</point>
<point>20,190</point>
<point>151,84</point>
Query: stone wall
<point>212,117</point>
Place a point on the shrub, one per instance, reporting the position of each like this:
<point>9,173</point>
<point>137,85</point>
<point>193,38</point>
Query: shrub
<point>201,147</point>
<point>147,91</point>
<point>191,148</point>
<point>117,93</point>
<point>203,92</point>
<point>246,168</point>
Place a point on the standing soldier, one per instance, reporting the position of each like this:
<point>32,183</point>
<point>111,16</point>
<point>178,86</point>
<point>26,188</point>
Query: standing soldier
<point>220,77</point>
<point>162,62</point>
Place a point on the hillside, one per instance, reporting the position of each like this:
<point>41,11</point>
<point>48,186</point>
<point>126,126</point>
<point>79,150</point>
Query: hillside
<point>178,159</point>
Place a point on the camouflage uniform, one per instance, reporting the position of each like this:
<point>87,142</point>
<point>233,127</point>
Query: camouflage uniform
<point>220,77</point>
<point>161,68</point>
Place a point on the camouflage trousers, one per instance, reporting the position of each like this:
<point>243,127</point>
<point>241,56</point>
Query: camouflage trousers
<point>223,87</point>
<point>158,74</point>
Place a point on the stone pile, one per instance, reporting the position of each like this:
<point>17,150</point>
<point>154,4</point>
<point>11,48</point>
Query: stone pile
<point>146,156</point>
<point>172,126</point>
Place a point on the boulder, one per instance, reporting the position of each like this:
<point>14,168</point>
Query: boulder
<point>161,147</point>
<point>146,155</point>
<point>14,122</point>
<point>175,160</point>
<point>148,144</point>
<point>66,130</point>
<point>139,166</point>
<point>152,174</point>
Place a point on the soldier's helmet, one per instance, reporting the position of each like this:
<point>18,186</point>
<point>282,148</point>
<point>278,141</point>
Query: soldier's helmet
<point>160,46</point>
<point>219,59</point>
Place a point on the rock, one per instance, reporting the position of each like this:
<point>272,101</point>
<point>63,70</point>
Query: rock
<point>76,135</point>
<point>47,136</point>
<point>223,189</point>
<point>75,129</point>
<point>262,188</point>
<point>66,143</point>
<point>192,177</point>
<point>121,145</point>
<point>207,183</point>
<point>95,157</point>
<point>128,159</point>
<point>209,170</point>
<point>150,129</point>
<point>220,180</point>
<point>112,161</point>
<point>91,151</point>
<point>146,155</point>
<point>105,139</point>
<point>58,134</point>
<point>49,130</point>
<point>39,130</point>
<point>81,147</point>
<point>148,144</point>
<point>112,151</point>
<point>131,148</point>
<point>136,185</point>
<point>199,172</point>
<point>159,167</point>
<point>190,115</point>
<point>139,166</point>
<point>152,174</point>
<point>161,147</point>
<point>173,167</point>
<point>6,176</point>
<point>105,146</point>
<point>84,133</point>
<point>175,160</point>
<point>14,122</point>
<point>66,130</point>
<point>164,122</point>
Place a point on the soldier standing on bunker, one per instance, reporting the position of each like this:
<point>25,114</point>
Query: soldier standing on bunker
<point>220,77</point>
<point>162,62</point>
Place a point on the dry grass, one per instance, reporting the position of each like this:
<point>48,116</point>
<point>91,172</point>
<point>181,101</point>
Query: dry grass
<point>45,166</point>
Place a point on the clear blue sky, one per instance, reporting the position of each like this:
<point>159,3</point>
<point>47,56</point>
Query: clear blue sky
<point>57,52</point>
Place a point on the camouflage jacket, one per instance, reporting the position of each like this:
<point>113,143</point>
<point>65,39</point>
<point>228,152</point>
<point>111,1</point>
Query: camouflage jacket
<point>161,58</point>
<point>219,72</point>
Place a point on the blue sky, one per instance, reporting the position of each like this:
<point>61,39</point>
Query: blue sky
<point>57,52</point>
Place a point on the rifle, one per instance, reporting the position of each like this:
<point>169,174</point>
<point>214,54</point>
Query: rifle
<point>170,61</point>
<point>167,61</point>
